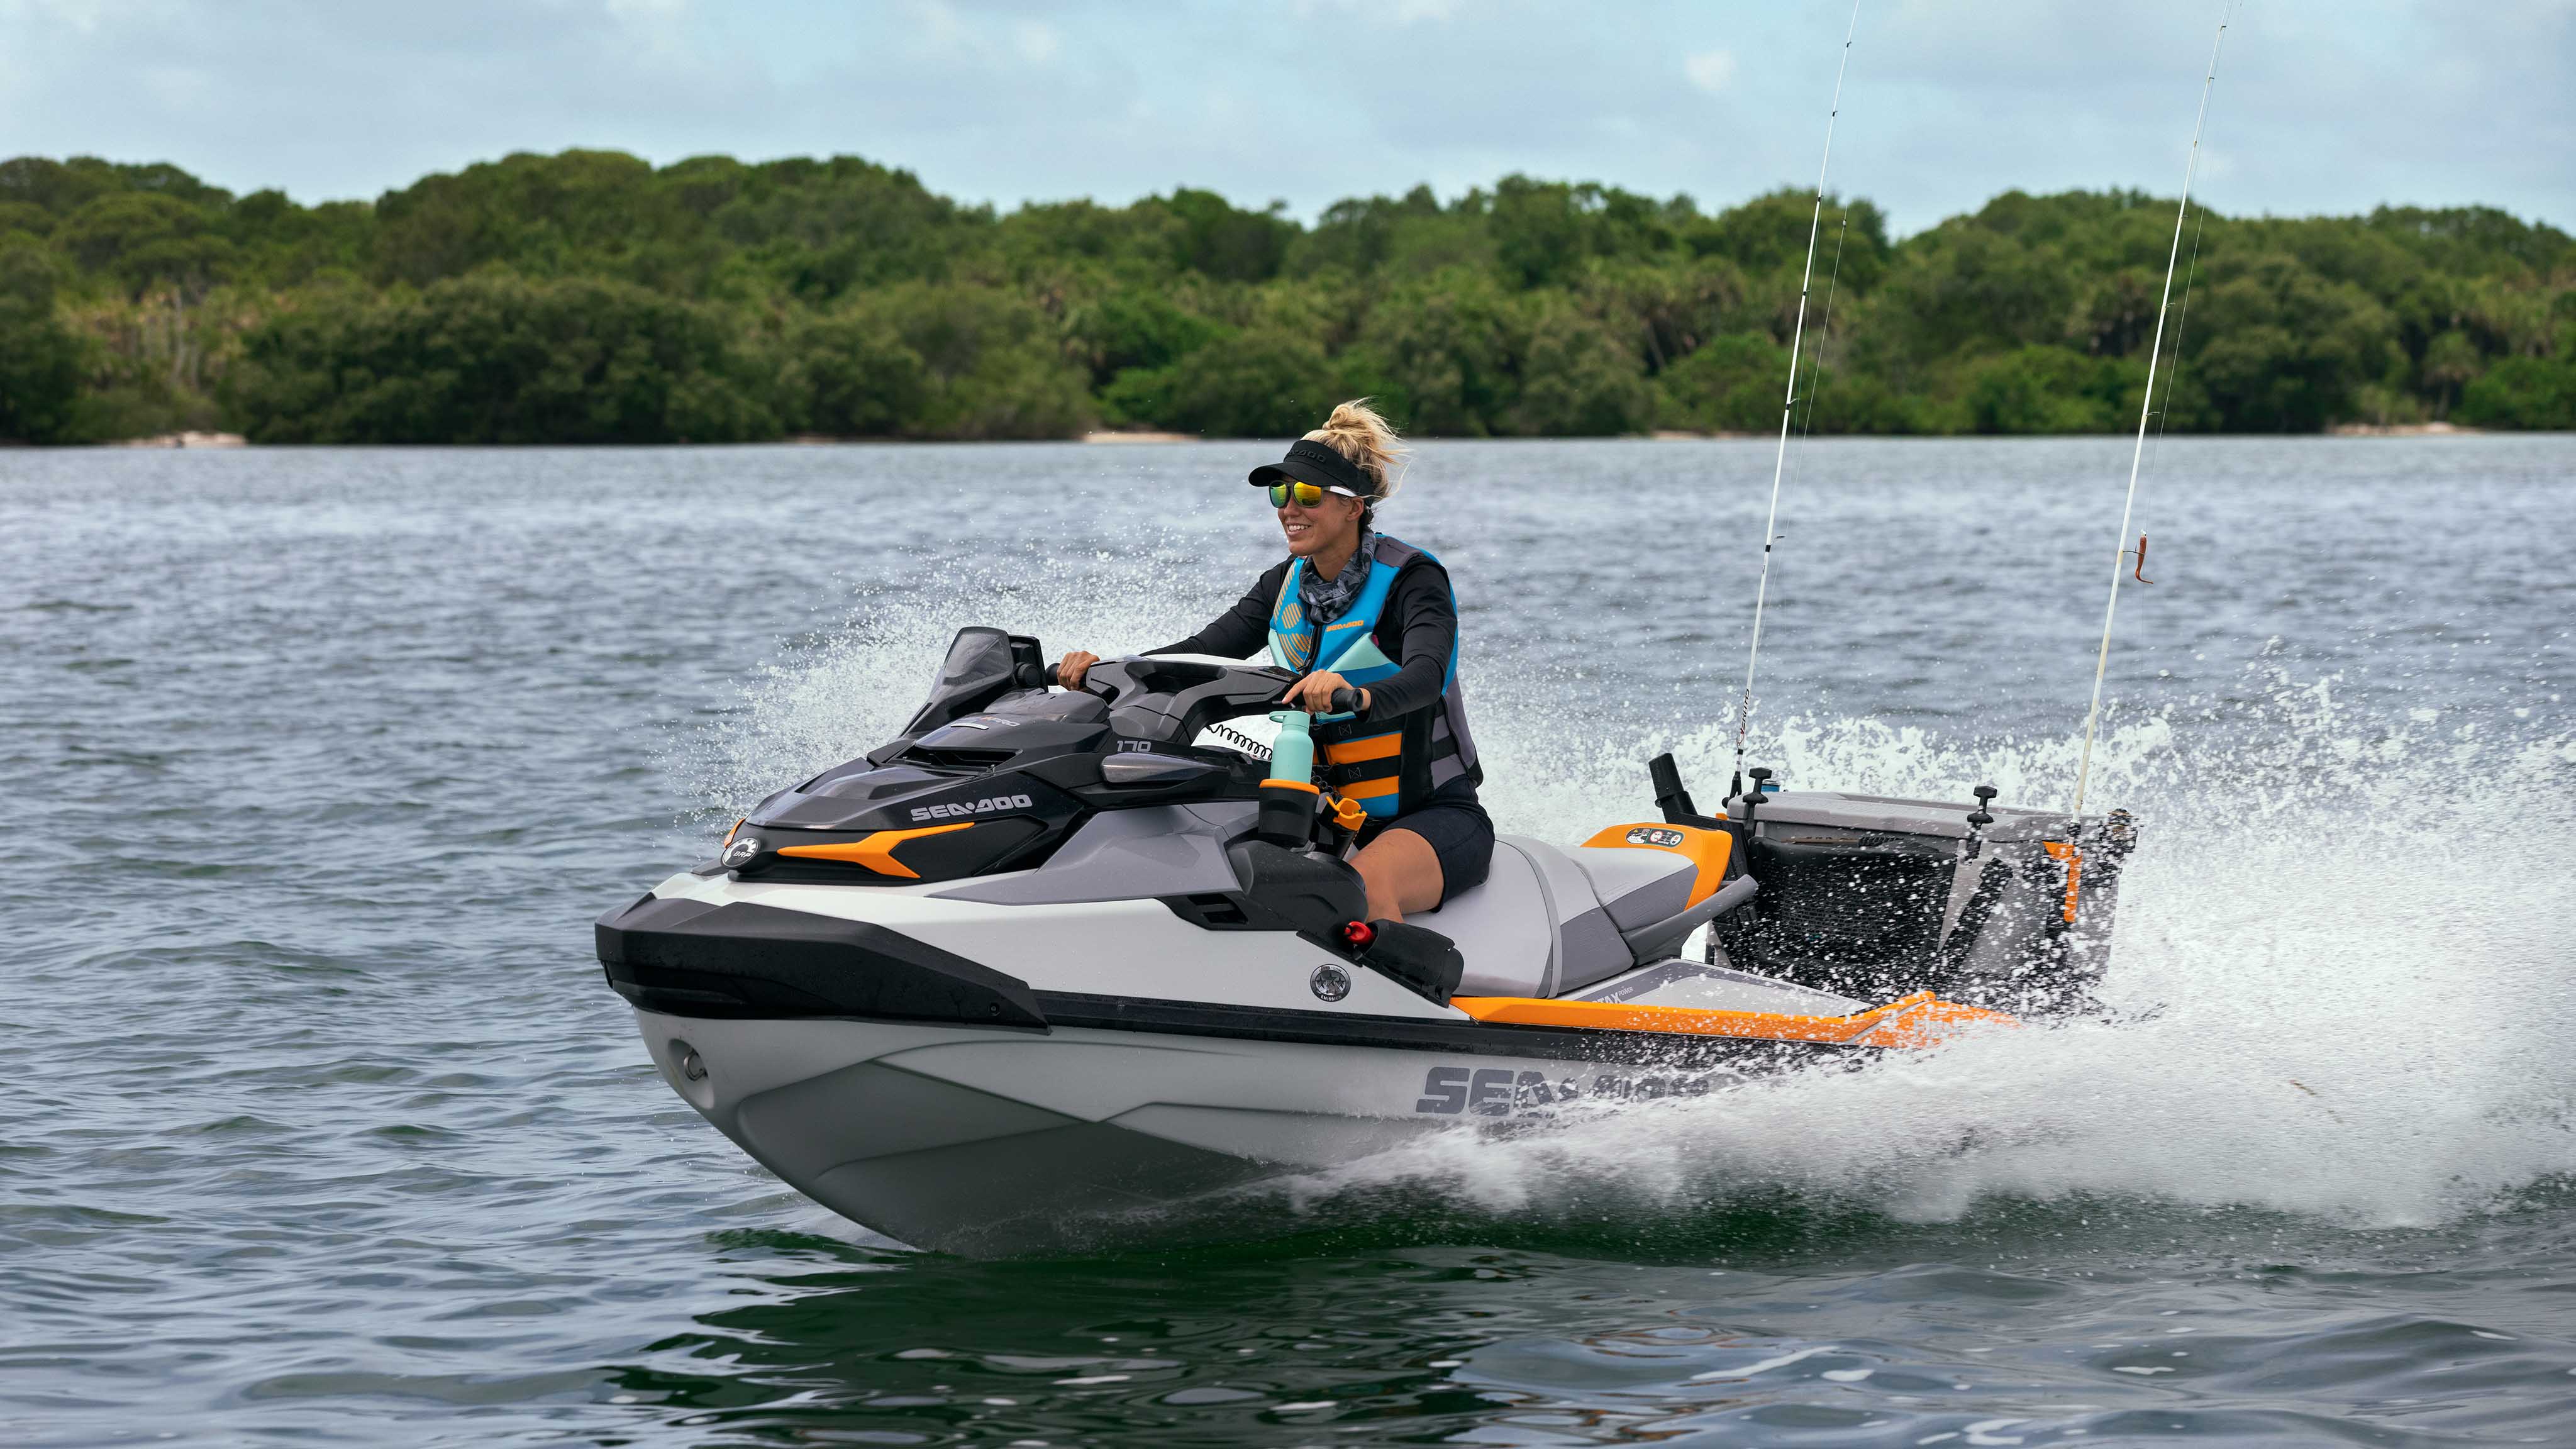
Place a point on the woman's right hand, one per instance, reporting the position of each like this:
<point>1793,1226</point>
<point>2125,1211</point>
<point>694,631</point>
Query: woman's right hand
<point>1069,670</point>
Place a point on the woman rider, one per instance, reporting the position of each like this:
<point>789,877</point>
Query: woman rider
<point>1389,628</point>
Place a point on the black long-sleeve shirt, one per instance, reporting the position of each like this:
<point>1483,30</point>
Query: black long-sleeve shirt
<point>1418,629</point>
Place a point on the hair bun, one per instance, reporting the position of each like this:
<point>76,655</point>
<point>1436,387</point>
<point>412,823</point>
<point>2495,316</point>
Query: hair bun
<point>1355,431</point>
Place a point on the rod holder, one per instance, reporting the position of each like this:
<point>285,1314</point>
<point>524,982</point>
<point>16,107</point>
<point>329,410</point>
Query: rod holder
<point>1287,815</point>
<point>1752,797</point>
<point>1673,798</point>
<point>1979,819</point>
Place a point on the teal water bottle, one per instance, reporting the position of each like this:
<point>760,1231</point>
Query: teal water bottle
<point>1292,754</point>
<point>1288,796</point>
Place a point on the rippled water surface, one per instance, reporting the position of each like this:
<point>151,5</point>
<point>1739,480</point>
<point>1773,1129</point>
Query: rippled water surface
<point>325,1130</point>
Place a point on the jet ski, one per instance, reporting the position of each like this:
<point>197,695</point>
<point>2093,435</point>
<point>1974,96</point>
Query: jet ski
<point>1053,959</point>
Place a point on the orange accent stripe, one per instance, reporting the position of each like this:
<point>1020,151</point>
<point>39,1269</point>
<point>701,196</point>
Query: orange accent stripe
<point>2074,871</point>
<point>1372,789</point>
<point>1276,784</point>
<point>1919,1020</point>
<point>737,830</point>
<point>876,852</point>
<point>1375,747</point>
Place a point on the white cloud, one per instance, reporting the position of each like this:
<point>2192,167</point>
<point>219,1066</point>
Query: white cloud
<point>660,26</point>
<point>1315,100</point>
<point>1401,12</point>
<point>1710,70</point>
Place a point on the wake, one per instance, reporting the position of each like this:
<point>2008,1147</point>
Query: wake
<point>2340,974</point>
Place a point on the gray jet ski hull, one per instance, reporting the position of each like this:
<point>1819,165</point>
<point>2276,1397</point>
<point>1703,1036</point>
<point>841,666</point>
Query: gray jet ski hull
<point>984,1140</point>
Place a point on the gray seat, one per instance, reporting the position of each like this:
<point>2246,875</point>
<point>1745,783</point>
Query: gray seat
<point>1502,927</point>
<point>1637,887</point>
<point>1647,893</point>
<point>1536,925</point>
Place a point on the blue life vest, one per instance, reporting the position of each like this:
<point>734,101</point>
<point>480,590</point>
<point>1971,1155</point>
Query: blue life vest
<point>1389,766</point>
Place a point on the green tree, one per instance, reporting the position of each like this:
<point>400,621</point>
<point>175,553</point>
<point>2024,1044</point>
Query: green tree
<point>141,239</point>
<point>1734,384</point>
<point>40,360</point>
<point>1969,287</point>
<point>1230,244</point>
<point>2042,389</point>
<point>1443,346</point>
<point>1579,381</point>
<point>2523,392</point>
<point>500,359</point>
<point>1359,237</point>
<point>2285,350</point>
<point>853,377</point>
<point>1134,327</point>
<point>2451,363</point>
<point>1254,385</point>
<point>590,295</point>
<point>995,365</point>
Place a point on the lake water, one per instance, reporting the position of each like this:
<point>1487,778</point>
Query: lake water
<point>324,1129</point>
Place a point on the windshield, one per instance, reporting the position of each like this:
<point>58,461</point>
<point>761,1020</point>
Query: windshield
<point>978,666</point>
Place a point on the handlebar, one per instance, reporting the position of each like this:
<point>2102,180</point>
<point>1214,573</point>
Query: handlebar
<point>1050,678</point>
<point>1345,700</point>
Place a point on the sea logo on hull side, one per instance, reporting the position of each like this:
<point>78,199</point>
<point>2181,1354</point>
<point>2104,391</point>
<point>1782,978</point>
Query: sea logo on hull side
<point>1504,1092</point>
<point>1329,983</point>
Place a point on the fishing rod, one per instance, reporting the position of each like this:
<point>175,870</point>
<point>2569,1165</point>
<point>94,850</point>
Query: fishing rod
<point>1789,403</point>
<point>2146,410</point>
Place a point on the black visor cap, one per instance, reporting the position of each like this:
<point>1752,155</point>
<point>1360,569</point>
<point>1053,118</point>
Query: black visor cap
<point>1311,462</point>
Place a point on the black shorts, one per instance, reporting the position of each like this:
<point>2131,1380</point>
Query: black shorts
<point>1459,832</point>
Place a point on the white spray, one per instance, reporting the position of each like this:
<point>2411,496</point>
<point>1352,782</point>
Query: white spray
<point>2347,974</point>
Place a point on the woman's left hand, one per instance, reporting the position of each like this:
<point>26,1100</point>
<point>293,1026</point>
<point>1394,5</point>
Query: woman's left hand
<point>1314,693</point>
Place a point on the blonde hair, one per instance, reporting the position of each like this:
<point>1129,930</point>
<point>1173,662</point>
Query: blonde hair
<point>1355,431</point>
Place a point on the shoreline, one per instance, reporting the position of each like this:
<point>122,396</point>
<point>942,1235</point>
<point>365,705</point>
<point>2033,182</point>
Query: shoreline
<point>2403,430</point>
<point>182,440</point>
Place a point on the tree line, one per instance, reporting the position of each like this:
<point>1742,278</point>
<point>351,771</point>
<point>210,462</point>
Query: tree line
<point>590,297</point>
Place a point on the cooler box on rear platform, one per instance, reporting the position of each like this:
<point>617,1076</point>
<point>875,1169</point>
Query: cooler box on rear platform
<point>1875,897</point>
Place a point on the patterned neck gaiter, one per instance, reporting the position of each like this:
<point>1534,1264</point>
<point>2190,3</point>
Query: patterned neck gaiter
<point>1329,599</point>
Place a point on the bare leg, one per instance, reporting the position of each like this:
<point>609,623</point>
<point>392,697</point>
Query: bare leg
<point>1402,873</point>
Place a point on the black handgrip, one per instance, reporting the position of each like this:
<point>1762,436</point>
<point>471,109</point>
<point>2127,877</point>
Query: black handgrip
<point>1050,680</point>
<point>1346,700</point>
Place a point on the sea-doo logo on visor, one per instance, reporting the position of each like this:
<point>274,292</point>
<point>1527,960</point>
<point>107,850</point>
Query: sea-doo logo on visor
<point>985,806</point>
<point>1655,835</point>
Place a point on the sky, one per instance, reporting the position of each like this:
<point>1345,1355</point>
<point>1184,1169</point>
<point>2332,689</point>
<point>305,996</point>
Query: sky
<point>2319,107</point>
